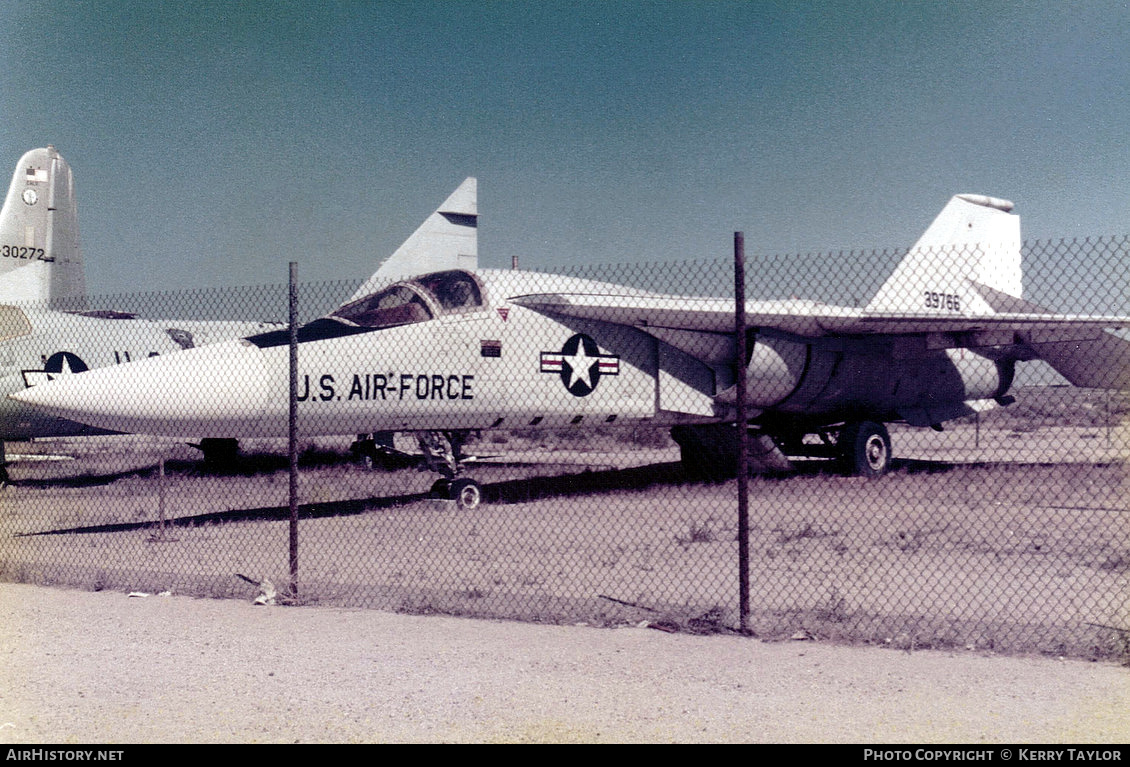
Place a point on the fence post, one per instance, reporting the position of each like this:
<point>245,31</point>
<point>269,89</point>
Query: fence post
<point>743,433</point>
<point>292,436</point>
<point>161,496</point>
<point>1109,420</point>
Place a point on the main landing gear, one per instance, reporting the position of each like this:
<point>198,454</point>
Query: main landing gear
<point>442,453</point>
<point>860,448</point>
<point>865,448</point>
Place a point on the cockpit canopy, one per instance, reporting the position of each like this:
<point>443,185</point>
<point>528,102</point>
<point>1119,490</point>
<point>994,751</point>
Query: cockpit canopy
<point>398,305</point>
<point>451,292</point>
<point>405,303</point>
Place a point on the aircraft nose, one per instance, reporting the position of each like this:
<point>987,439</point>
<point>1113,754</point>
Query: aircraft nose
<point>220,390</point>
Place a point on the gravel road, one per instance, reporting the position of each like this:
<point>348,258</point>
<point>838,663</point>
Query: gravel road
<point>105,668</point>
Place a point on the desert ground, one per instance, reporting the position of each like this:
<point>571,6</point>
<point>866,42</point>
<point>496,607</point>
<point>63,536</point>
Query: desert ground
<point>101,667</point>
<point>977,593</point>
<point>1004,537</point>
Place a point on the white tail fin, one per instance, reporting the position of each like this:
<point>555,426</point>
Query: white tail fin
<point>40,259</point>
<point>974,240</point>
<point>448,239</point>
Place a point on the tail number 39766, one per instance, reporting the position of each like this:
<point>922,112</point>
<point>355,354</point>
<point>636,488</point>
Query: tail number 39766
<point>947,301</point>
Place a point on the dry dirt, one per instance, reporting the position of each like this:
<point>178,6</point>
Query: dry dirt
<point>974,552</point>
<point>85,667</point>
<point>982,541</point>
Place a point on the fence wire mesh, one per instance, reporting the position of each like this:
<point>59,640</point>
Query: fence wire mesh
<point>1005,530</point>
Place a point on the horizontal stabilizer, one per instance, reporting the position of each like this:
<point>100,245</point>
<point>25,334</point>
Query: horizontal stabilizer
<point>448,239</point>
<point>1102,363</point>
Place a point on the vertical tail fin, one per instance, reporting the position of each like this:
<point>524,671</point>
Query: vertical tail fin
<point>974,240</point>
<point>40,259</point>
<point>448,239</point>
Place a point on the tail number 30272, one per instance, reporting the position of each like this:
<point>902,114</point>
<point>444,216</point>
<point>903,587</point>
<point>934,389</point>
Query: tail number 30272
<point>19,251</point>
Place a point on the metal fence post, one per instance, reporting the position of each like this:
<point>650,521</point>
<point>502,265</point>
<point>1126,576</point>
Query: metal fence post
<point>161,497</point>
<point>292,437</point>
<point>743,435</point>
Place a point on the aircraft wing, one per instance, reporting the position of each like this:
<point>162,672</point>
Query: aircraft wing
<point>689,313</point>
<point>806,318</point>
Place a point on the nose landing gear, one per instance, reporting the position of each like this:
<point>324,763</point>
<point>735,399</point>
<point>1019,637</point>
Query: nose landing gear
<point>466,492</point>
<point>440,450</point>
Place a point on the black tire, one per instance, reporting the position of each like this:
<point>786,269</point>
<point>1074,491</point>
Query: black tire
<point>219,453</point>
<point>467,493</point>
<point>364,452</point>
<point>708,453</point>
<point>441,488</point>
<point>865,449</point>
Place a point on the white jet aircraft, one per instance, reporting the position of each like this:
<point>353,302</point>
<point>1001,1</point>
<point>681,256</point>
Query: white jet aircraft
<point>45,331</point>
<point>461,350</point>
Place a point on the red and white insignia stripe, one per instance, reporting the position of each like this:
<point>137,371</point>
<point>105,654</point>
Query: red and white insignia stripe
<point>551,362</point>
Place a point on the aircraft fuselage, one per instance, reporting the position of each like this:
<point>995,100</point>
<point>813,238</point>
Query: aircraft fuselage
<point>403,361</point>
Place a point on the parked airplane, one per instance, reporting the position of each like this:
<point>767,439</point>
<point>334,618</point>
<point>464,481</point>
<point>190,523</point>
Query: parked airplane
<point>460,349</point>
<point>46,331</point>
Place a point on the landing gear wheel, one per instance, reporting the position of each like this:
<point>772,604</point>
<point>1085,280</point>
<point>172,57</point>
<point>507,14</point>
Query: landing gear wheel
<point>467,493</point>
<point>708,453</point>
<point>866,448</point>
<point>441,489</point>
<point>218,452</point>
<point>364,451</point>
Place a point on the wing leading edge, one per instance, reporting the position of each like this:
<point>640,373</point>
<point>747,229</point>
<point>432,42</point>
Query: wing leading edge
<point>803,318</point>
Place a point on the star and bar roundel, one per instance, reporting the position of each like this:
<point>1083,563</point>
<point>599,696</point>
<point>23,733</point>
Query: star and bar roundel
<point>580,364</point>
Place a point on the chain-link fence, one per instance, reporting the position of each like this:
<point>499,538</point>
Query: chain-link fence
<point>1003,527</point>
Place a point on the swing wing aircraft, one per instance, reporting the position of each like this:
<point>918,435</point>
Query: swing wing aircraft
<point>461,349</point>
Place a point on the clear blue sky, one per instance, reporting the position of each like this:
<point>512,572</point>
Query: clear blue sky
<point>214,142</point>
